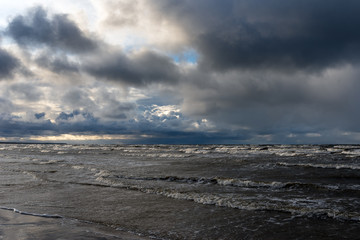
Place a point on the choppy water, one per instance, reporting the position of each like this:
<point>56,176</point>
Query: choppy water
<point>190,191</point>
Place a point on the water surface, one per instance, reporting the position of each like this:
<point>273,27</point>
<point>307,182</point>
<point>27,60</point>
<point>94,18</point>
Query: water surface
<point>189,191</point>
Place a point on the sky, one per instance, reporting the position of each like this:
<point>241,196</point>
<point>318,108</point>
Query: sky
<point>180,71</point>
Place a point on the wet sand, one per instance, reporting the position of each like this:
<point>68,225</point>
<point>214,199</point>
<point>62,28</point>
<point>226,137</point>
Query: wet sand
<point>20,227</point>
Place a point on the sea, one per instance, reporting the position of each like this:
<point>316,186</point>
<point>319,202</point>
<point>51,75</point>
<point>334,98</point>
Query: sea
<point>186,191</point>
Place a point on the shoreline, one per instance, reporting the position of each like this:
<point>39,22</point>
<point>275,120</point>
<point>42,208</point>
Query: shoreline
<point>22,226</point>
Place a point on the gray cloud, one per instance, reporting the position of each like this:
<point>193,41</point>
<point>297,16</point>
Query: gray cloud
<point>5,105</point>
<point>15,128</point>
<point>65,116</point>
<point>59,37</point>
<point>268,71</point>
<point>12,126</point>
<point>86,116</point>
<point>116,110</point>
<point>58,64</point>
<point>282,35</point>
<point>36,28</point>
<point>8,64</point>
<point>268,103</point>
<point>120,13</point>
<point>139,69</point>
<point>77,98</point>
<point>26,91</point>
<point>271,68</point>
<point>39,115</point>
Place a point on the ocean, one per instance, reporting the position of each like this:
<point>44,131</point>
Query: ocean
<point>180,191</point>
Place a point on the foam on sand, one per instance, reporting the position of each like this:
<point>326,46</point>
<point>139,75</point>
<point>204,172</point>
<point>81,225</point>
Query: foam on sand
<point>16,224</point>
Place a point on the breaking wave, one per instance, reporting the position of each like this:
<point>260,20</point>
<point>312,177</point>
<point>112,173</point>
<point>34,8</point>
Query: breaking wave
<point>30,214</point>
<point>299,207</point>
<point>228,200</point>
<point>320,165</point>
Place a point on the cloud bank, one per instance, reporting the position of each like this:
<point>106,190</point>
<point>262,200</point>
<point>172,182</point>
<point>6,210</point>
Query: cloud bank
<point>259,72</point>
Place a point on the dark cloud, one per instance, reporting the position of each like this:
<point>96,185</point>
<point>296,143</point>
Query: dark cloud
<point>116,110</point>
<point>163,129</point>
<point>13,126</point>
<point>8,64</point>
<point>36,28</point>
<point>138,69</point>
<point>282,35</point>
<point>65,116</point>
<point>86,116</point>
<point>182,137</point>
<point>268,103</point>
<point>145,134</point>
<point>39,115</point>
<point>268,71</point>
<point>78,98</point>
<point>64,38</point>
<point>58,64</point>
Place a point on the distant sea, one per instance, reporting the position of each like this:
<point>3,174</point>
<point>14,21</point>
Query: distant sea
<point>186,191</point>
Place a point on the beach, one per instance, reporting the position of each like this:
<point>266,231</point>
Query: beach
<point>25,227</point>
<point>179,192</point>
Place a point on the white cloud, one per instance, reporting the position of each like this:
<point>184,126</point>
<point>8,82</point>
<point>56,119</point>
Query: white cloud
<point>135,25</point>
<point>313,135</point>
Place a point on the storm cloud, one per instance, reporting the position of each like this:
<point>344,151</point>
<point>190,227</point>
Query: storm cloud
<point>57,64</point>
<point>281,35</point>
<point>36,28</point>
<point>39,115</point>
<point>59,38</point>
<point>169,71</point>
<point>8,64</point>
<point>137,69</point>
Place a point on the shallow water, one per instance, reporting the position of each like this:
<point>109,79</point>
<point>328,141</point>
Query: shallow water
<point>18,225</point>
<point>190,191</point>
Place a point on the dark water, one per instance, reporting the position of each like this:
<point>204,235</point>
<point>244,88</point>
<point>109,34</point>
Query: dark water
<point>190,191</point>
